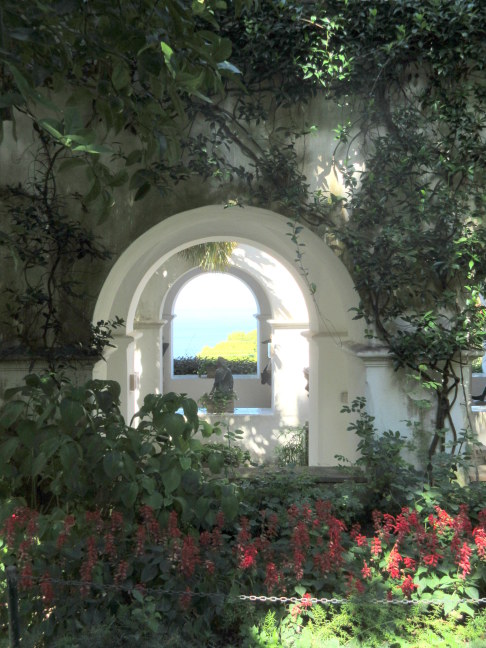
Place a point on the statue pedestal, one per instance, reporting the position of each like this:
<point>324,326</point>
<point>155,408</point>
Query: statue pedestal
<point>229,407</point>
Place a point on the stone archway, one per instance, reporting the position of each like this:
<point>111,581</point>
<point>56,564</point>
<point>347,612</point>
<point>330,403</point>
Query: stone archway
<point>334,373</point>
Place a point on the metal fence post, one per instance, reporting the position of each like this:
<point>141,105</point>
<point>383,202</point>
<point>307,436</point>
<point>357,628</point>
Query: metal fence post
<point>13,607</point>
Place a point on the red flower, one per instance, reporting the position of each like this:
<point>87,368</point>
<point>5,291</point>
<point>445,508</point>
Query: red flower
<point>293,513</point>
<point>185,599</point>
<point>389,524</point>
<point>272,525</point>
<point>271,577</point>
<point>306,601</point>
<point>216,539</point>
<point>210,567</point>
<point>90,559</point>
<point>366,571</point>
<point>140,536</point>
<point>174,531</point>
<point>376,515</point>
<point>479,535</point>
<point>376,548</point>
<point>121,572</point>
<point>94,517</point>
<point>361,540</point>
<point>323,510</point>
<point>408,586</point>
<point>189,556</point>
<point>110,548</point>
<point>116,521</point>
<point>244,533</point>
<point>150,522</point>
<point>410,563</point>
<point>26,581</point>
<point>220,519</point>
<point>393,567</point>
<point>402,526</point>
<point>355,530</point>
<point>47,590</point>
<point>431,559</point>
<point>462,560</point>
<point>205,539</point>
<point>248,558</point>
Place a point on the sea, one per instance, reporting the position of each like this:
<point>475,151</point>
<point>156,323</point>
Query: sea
<point>193,330</point>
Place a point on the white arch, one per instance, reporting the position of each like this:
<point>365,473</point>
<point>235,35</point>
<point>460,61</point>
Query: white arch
<point>259,227</point>
<point>333,370</point>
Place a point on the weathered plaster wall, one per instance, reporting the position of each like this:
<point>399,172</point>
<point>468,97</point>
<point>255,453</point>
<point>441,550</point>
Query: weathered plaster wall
<point>144,235</point>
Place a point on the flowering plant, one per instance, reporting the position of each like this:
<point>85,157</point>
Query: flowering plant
<point>110,560</point>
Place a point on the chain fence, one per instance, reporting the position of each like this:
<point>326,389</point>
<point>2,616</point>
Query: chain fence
<point>11,578</point>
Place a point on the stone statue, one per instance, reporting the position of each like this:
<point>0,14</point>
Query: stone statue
<point>223,378</point>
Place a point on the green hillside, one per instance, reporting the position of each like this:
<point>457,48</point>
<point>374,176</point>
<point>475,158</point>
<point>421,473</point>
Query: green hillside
<point>238,345</point>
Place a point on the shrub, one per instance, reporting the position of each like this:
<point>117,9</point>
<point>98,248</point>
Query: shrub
<point>390,479</point>
<point>187,577</point>
<point>293,446</point>
<point>193,366</point>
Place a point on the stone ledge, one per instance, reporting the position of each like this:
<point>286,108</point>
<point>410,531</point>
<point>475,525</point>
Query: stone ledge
<point>321,474</point>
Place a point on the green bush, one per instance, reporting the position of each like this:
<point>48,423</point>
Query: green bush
<point>64,447</point>
<point>198,366</point>
<point>390,480</point>
<point>293,446</point>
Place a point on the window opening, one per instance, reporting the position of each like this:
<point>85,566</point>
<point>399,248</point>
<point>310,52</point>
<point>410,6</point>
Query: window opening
<point>215,315</point>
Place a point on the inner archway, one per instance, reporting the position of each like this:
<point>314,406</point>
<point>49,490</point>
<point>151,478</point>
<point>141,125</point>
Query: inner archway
<point>208,309</point>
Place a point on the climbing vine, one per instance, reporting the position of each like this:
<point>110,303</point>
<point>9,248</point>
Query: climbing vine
<point>153,97</point>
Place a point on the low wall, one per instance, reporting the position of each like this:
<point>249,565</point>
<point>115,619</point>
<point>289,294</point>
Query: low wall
<point>261,429</point>
<point>249,389</point>
<point>13,372</point>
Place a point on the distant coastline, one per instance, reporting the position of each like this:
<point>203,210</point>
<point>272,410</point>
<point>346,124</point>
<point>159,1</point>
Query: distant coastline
<point>193,330</point>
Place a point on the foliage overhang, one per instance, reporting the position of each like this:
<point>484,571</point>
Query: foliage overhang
<point>138,79</point>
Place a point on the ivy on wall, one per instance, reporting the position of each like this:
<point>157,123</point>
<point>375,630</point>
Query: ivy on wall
<point>153,96</point>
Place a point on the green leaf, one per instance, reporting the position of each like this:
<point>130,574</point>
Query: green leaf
<point>185,462</point>
<point>472,592</point>
<point>8,448</point>
<point>154,500</point>
<point>95,149</point>
<point>228,67</point>
<point>69,456</point>
<point>142,191</point>
<point>27,432</point>
<point>190,482</point>
<point>11,412</point>
<point>207,430</point>
<point>450,604</point>
<point>128,494</point>
<point>138,596</point>
<point>22,84</point>
<point>230,506</point>
<point>53,127</point>
<point>216,462</point>
<point>113,464</point>
<point>71,412</point>
<point>202,507</point>
<point>171,479</point>
<point>149,572</point>
<point>168,53</point>
<point>38,464</point>
<point>120,76</point>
